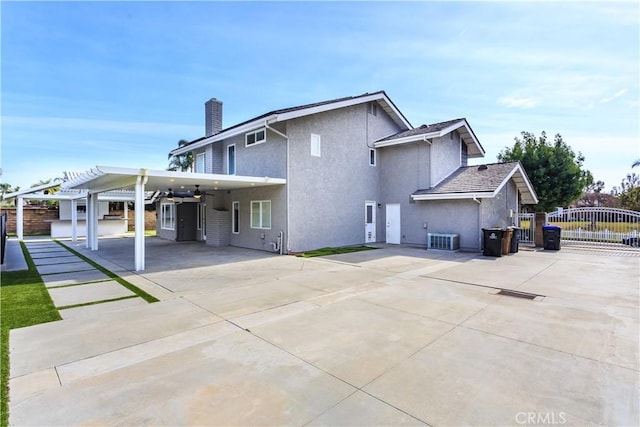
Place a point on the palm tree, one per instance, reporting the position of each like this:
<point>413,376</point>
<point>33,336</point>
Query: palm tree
<point>181,162</point>
<point>636,163</point>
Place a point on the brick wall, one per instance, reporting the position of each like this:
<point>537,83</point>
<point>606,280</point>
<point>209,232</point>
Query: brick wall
<point>37,220</point>
<point>149,218</point>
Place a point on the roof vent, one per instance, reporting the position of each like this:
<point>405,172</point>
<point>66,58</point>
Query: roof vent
<point>482,167</point>
<point>424,127</point>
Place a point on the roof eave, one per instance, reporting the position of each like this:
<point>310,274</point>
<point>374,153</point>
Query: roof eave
<point>454,196</point>
<point>529,196</point>
<point>407,139</point>
<point>388,106</point>
<point>32,190</point>
<point>247,127</point>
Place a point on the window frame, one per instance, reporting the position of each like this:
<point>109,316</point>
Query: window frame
<point>235,222</point>
<point>256,141</point>
<point>316,145</point>
<point>229,159</point>
<point>372,151</point>
<point>197,161</point>
<point>167,222</point>
<point>261,225</point>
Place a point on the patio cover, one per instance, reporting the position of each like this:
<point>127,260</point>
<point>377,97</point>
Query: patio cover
<point>107,182</point>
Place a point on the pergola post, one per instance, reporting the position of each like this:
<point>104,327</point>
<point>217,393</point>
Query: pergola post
<point>139,223</point>
<point>74,220</point>
<point>20,218</point>
<point>126,214</point>
<point>88,223</point>
<point>94,222</point>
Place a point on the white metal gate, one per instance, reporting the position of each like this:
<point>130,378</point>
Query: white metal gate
<point>597,226</point>
<point>527,224</point>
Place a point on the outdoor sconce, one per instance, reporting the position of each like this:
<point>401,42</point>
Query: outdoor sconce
<point>170,195</point>
<point>197,194</point>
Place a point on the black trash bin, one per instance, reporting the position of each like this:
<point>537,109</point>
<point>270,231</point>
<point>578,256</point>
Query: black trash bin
<point>515,240</point>
<point>492,241</point>
<point>551,237</point>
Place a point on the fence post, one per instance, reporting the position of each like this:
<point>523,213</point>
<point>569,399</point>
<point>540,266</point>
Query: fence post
<point>541,220</point>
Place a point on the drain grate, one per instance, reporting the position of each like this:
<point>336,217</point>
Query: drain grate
<point>516,294</point>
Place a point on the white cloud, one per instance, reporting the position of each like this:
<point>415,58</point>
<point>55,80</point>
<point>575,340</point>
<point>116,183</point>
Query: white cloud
<point>95,125</point>
<point>618,94</point>
<point>518,102</point>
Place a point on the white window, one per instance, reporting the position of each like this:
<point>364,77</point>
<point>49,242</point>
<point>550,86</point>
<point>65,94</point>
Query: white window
<point>256,137</point>
<point>235,218</point>
<point>315,145</point>
<point>167,216</point>
<point>372,108</point>
<point>231,159</point>
<point>261,214</point>
<point>372,156</point>
<point>200,160</point>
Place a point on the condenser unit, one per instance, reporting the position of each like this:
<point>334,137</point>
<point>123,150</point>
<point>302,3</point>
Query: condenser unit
<point>443,241</point>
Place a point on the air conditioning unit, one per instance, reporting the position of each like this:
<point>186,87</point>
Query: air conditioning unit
<point>443,241</point>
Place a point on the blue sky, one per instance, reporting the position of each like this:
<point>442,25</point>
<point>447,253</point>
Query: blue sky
<point>119,83</point>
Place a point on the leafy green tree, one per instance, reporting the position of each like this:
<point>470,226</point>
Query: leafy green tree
<point>181,162</point>
<point>52,190</point>
<point>554,169</point>
<point>6,189</point>
<point>629,192</point>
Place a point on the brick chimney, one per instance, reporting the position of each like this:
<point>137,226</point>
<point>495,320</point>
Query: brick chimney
<point>212,117</point>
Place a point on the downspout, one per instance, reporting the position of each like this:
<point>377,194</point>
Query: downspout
<point>266,125</point>
<point>479,202</point>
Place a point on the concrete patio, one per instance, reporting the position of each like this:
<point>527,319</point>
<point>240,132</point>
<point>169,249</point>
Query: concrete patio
<point>395,336</point>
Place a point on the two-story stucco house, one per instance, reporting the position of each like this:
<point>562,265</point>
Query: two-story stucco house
<point>355,171</point>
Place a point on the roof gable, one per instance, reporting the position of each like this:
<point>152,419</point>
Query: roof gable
<point>480,181</point>
<point>284,114</point>
<point>436,130</point>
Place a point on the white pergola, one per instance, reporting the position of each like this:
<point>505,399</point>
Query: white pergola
<point>106,183</point>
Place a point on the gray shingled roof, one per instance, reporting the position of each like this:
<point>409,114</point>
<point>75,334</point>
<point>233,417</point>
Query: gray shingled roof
<point>300,107</point>
<point>435,127</point>
<point>473,179</point>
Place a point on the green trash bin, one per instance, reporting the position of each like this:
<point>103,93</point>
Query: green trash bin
<point>492,241</point>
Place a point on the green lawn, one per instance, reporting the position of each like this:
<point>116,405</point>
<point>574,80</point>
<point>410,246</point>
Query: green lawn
<point>24,301</point>
<point>334,251</point>
<point>618,227</point>
<point>133,288</point>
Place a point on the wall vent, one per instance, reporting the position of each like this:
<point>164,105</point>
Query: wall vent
<point>443,241</point>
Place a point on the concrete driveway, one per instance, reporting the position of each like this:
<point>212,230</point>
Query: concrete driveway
<point>395,336</point>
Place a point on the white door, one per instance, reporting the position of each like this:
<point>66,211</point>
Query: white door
<point>370,222</point>
<point>393,223</point>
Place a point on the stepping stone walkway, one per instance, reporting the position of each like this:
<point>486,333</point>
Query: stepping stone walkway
<point>76,287</point>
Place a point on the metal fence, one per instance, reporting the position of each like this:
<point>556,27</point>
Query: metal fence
<point>601,226</point>
<point>3,236</point>
<point>527,224</point>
